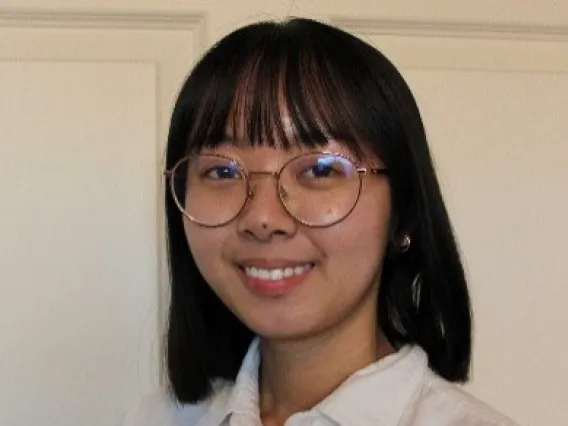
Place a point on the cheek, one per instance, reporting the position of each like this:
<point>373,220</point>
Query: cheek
<point>359,242</point>
<point>206,246</point>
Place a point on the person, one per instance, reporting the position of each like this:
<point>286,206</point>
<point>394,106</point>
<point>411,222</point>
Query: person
<point>315,276</point>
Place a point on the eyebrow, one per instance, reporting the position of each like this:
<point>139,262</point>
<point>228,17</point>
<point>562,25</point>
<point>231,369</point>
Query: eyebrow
<point>312,138</point>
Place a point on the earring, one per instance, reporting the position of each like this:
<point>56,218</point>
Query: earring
<point>405,245</point>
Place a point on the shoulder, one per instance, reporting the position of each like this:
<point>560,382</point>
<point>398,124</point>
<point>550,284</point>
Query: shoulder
<point>440,402</point>
<point>159,409</point>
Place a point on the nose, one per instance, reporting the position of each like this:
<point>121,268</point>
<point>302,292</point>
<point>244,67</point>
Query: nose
<point>264,217</point>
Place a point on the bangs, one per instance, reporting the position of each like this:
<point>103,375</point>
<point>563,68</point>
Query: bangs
<point>280,90</point>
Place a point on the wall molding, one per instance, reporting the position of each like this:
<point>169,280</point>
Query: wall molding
<point>93,19</point>
<point>195,21</point>
<point>452,29</point>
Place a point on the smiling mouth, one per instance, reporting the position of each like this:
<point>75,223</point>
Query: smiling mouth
<point>276,274</point>
<point>274,281</point>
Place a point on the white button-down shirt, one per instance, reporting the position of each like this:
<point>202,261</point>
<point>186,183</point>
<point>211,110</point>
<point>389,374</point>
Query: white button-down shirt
<point>398,390</point>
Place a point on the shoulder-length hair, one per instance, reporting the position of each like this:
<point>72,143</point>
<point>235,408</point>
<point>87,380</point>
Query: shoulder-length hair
<point>332,85</point>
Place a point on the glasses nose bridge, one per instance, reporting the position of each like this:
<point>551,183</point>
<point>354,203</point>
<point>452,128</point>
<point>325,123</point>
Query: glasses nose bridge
<point>265,173</point>
<point>261,174</point>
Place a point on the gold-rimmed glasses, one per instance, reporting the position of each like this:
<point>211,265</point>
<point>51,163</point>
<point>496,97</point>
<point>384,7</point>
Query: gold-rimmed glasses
<point>317,189</point>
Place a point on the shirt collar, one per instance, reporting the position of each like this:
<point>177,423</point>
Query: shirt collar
<point>244,395</point>
<point>241,397</point>
<point>376,394</point>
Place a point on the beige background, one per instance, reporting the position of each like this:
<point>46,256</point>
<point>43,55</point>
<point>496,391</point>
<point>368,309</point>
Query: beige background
<point>86,88</point>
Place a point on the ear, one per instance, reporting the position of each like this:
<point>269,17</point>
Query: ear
<point>404,243</point>
<point>400,239</point>
<point>400,243</point>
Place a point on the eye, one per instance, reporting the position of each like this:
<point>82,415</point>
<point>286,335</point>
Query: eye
<point>325,167</point>
<point>223,172</point>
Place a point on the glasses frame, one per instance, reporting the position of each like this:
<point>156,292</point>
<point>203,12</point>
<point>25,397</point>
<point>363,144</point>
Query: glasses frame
<point>248,175</point>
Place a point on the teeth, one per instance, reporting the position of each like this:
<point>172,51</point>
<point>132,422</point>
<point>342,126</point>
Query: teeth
<point>276,274</point>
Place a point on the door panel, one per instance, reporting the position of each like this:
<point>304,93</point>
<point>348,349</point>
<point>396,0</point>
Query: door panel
<point>83,119</point>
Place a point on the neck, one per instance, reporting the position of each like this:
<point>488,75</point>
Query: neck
<point>297,375</point>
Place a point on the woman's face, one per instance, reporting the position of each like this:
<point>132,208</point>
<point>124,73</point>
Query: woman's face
<point>336,269</point>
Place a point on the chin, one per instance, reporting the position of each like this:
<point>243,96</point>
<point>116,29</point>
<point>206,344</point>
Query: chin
<point>284,327</point>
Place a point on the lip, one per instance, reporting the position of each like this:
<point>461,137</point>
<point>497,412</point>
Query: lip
<point>273,288</point>
<point>272,263</point>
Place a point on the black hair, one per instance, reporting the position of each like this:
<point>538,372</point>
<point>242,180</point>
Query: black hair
<point>332,85</point>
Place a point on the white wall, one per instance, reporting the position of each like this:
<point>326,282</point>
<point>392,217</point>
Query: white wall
<point>84,84</point>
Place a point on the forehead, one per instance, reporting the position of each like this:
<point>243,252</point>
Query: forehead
<point>277,103</point>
